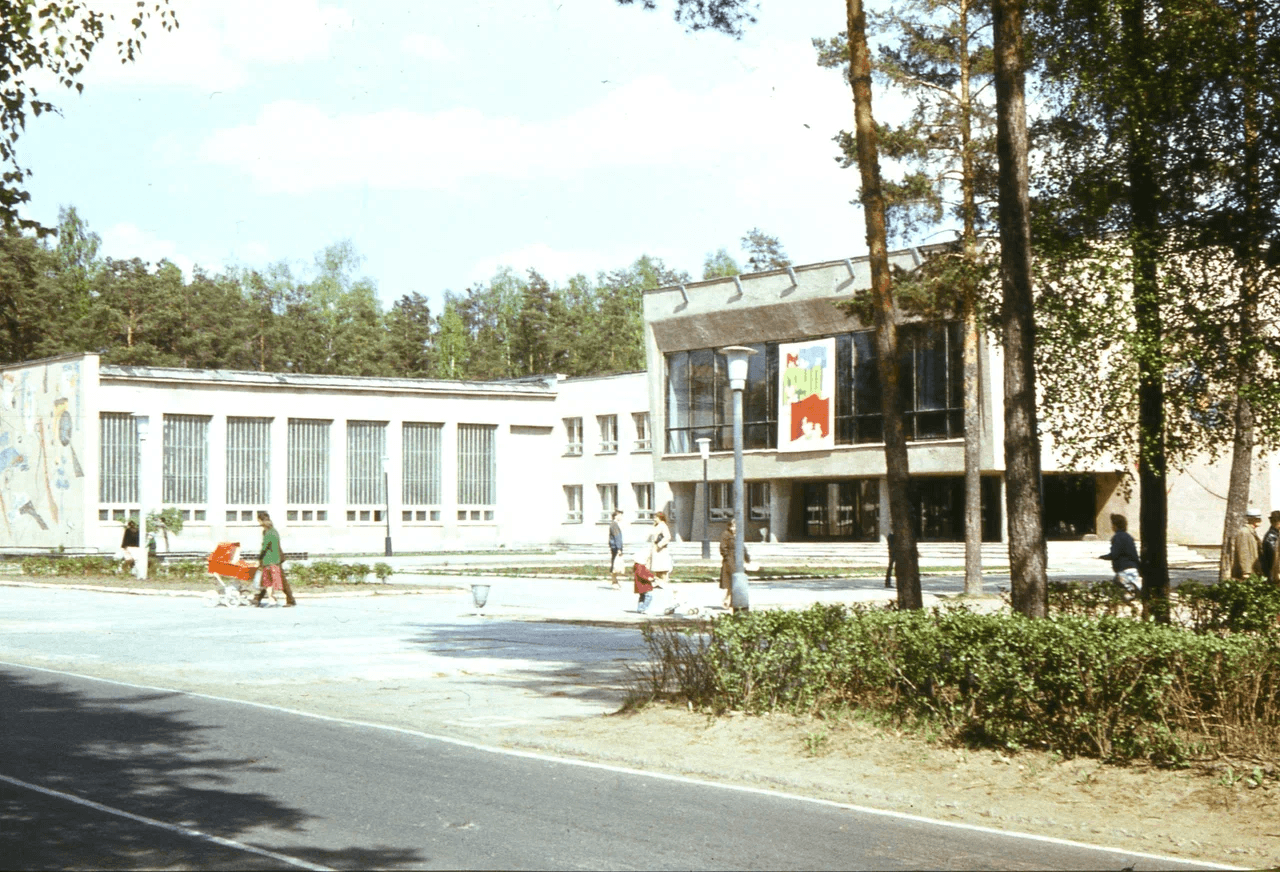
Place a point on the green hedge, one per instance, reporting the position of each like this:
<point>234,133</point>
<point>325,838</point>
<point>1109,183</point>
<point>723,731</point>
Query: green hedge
<point>1107,687</point>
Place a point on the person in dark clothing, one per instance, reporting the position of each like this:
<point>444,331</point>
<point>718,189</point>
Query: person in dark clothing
<point>1124,555</point>
<point>617,565</point>
<point>1270,556</point>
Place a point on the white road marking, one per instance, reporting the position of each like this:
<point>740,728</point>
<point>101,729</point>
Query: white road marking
<point>173,828</point>
<point>661,776</point>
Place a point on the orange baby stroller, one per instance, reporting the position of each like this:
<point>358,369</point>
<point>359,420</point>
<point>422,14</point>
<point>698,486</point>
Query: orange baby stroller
<point>232,577</point>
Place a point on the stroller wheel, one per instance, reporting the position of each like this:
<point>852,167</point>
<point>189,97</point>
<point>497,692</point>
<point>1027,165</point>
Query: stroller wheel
<point>692,611</point>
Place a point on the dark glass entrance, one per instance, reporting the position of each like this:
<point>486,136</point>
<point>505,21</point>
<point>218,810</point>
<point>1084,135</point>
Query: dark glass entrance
<point>846,510</point>
<point>1070,505</point>
<point>938,506</point>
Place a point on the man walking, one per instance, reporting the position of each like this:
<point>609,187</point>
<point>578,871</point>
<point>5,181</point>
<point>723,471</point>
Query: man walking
<point>1243,556</point>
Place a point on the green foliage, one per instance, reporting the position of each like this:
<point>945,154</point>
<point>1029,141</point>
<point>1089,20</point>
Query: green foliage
<point>165,521</point>
<point>324,573</point>
<point>1107,687</point>
<point>383,571</point>
<point>74,567</point>
<point>1230,606</point>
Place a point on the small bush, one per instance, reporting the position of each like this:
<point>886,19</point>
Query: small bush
<point>1230,606</point>
<point>383,571</point>
<point>1105,687</point>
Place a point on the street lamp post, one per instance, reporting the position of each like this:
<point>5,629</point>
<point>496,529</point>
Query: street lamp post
<point>704,449</point>
<point>386,490</point>
<point>143,424</point>
<point>737,357</point>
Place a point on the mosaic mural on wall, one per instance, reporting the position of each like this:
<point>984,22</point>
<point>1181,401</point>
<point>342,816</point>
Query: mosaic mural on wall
<point>42,443</point>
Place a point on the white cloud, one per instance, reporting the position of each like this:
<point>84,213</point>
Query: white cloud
<point>429,48</point>
<point>215,44</point>
<point>754,124</point>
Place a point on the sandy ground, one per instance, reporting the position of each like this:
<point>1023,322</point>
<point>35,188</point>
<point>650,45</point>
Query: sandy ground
<point>1198,813</point>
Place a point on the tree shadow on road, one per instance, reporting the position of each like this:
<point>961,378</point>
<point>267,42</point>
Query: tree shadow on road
<point>156,765</point>
<point>574,661</point>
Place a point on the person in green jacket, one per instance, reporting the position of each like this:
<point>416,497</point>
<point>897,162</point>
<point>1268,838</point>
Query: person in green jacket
<point>271,559</point>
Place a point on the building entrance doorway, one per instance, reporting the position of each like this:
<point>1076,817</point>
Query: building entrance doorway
<point>1070,505</point>
<point>846,510</point>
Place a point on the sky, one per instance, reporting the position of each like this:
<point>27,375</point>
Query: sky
<point>448,139</point>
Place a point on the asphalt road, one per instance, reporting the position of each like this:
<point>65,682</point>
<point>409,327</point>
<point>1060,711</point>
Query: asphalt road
<point>190,782</point>
<point>364,733</point>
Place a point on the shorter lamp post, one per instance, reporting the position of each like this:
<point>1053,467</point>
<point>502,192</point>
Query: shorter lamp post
<point>143,424</point>
<point>737,357</point>
<point>386,491</point>
<point>704,449</point>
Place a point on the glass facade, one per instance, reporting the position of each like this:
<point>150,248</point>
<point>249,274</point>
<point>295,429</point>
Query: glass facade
<point>699,402</point>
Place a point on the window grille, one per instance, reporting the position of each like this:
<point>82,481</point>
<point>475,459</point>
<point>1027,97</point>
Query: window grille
<point>573,503</point>
<point>185,475</point>
<point>118,458</point>
<point>608,500</point>
<point>366,445</point>
<point>248,462</point>
<point>477,483</point>
<point>573,436</point>
<point>308,469</point>
<point>643,440</point>
<point>421,465</point>
<point>644,501</point>
<point>608,433</point>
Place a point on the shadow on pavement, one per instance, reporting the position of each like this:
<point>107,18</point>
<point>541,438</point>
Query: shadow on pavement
<point>532,656</point>
<point>154,765</point>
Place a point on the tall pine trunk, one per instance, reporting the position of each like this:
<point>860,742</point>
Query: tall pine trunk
<point>895,442</point>
<point>969,324</point>
<point>1144,195</point>
<point>1243,438</point>
<point>1027,556</point>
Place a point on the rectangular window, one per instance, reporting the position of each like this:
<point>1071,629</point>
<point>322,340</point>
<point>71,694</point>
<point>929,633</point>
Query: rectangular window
<point>758,500</point>
<point>573,437</point>
<point>700,403</point>
<point>185,461</point>
<point>721,500</point>
<point>422,462</point>
<point>643,441</point>
<point>608,501</point>
<point>932,381</point>
<point>644,501</point>
<point>573,503</point>
<point>608,433</point>
<point>118,458</point>
<point>248,462</point>
<point>366,446</point>
<point>477,472</point>
<point>308,462</point>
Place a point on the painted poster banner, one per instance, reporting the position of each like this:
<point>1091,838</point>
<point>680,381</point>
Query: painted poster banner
<point>806,414</point>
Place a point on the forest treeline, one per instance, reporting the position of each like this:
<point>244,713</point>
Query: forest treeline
<point>58,296</point>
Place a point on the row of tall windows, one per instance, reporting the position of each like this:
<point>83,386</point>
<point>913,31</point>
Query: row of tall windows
<point>607,501</point>
<point>699,401</point>
<point>607,427</point>
<point>185,468</point>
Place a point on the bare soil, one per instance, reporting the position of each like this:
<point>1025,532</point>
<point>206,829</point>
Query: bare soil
<point>1207,812</point>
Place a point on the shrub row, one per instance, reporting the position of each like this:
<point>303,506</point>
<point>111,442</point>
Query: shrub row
<point>1107,687</point>
<point>320,573</point>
